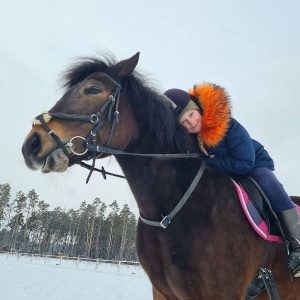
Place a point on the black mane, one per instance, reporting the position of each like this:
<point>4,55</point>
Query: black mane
<point>85,66</point>
<point>154,116</point>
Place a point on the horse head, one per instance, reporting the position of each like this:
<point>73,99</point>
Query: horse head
<point>93,100</point>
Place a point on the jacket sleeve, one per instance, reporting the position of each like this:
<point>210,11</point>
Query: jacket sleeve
<point>239,157</point>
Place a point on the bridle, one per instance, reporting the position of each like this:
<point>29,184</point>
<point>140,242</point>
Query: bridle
<point>109,110</point>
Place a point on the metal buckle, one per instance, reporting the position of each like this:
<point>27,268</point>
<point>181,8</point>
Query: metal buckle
<point>94,119</point>
<point>164,223</point>
<point>111,98</point>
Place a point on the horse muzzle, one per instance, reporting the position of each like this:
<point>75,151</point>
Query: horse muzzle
<point>53,160</point>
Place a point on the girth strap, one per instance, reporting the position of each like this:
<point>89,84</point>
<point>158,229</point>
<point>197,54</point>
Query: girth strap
<point>164,223</point>
<point>270,284</point>
<point>263,282</point>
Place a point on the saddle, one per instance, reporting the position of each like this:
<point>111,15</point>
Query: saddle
<point>274,233</point>
<point>260,203</point>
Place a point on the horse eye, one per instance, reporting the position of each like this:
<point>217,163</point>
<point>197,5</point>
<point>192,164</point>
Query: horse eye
<point>92,91</point>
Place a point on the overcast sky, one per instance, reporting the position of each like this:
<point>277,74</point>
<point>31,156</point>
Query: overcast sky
<point>252,48</point>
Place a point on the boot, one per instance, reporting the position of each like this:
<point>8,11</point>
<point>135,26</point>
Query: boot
<point>290,220</point>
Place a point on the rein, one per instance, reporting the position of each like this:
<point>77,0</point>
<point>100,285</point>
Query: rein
<point>166,220</point>
<point>120,152</point>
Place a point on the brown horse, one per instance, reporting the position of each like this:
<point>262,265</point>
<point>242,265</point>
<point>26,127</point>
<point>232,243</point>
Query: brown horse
<point>208,251</point>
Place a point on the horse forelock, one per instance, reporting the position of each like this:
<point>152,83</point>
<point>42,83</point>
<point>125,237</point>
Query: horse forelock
<point>152,113</point>
<point>83,67</point>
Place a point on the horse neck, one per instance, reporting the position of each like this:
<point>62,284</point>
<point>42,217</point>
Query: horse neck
<point>157,184</point>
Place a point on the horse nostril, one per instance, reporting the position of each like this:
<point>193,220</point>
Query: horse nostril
<point>33,145</point>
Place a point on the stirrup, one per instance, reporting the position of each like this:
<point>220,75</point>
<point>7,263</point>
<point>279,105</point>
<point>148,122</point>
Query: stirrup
<point>294,263</point>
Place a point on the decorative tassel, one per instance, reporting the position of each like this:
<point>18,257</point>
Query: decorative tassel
<point>202,148</point>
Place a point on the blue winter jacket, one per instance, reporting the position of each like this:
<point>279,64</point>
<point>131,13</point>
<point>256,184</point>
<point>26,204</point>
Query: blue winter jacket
<point>237,153</point>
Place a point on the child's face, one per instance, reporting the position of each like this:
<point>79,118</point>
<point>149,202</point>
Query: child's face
<point>191,121</point>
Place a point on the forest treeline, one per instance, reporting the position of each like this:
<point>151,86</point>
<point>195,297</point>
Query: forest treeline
<point>93,230</point>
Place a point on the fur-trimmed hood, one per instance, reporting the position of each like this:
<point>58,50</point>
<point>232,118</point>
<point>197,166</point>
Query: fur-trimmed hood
<point>216,106</point>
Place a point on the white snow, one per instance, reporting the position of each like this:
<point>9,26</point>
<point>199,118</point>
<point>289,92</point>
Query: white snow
<point>42,278</point>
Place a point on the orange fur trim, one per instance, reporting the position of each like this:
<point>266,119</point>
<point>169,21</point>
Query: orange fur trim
<point>216,112</point>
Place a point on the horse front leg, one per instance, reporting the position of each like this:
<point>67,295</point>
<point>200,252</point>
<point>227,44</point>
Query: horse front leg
<point>158,295</point>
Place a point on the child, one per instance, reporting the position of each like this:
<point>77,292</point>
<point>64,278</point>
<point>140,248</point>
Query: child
<point>205,111</point>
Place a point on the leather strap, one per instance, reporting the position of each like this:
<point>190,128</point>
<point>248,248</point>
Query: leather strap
<point>164,223</point>
<point>107,150</point>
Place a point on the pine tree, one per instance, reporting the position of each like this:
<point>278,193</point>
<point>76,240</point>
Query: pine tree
<point>91,215</point>
<point>111,218</point>
<point>130,250</point>
<point>4,201</point>
<point>99,222</point>
<point>5,213</point>
<point>79,239</point>
<point>18,219</point>
<point>124,219</point>
<point>32,198</point>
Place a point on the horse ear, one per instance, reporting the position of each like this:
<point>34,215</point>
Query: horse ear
<point>126,67</point>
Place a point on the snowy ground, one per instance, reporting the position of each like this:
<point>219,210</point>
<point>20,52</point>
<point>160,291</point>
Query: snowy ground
<point>40,278</point>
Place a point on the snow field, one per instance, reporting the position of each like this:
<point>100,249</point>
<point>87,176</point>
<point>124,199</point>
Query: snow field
<point>42,278</point>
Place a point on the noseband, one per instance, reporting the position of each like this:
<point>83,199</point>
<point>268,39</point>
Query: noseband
<point>108,110</point>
